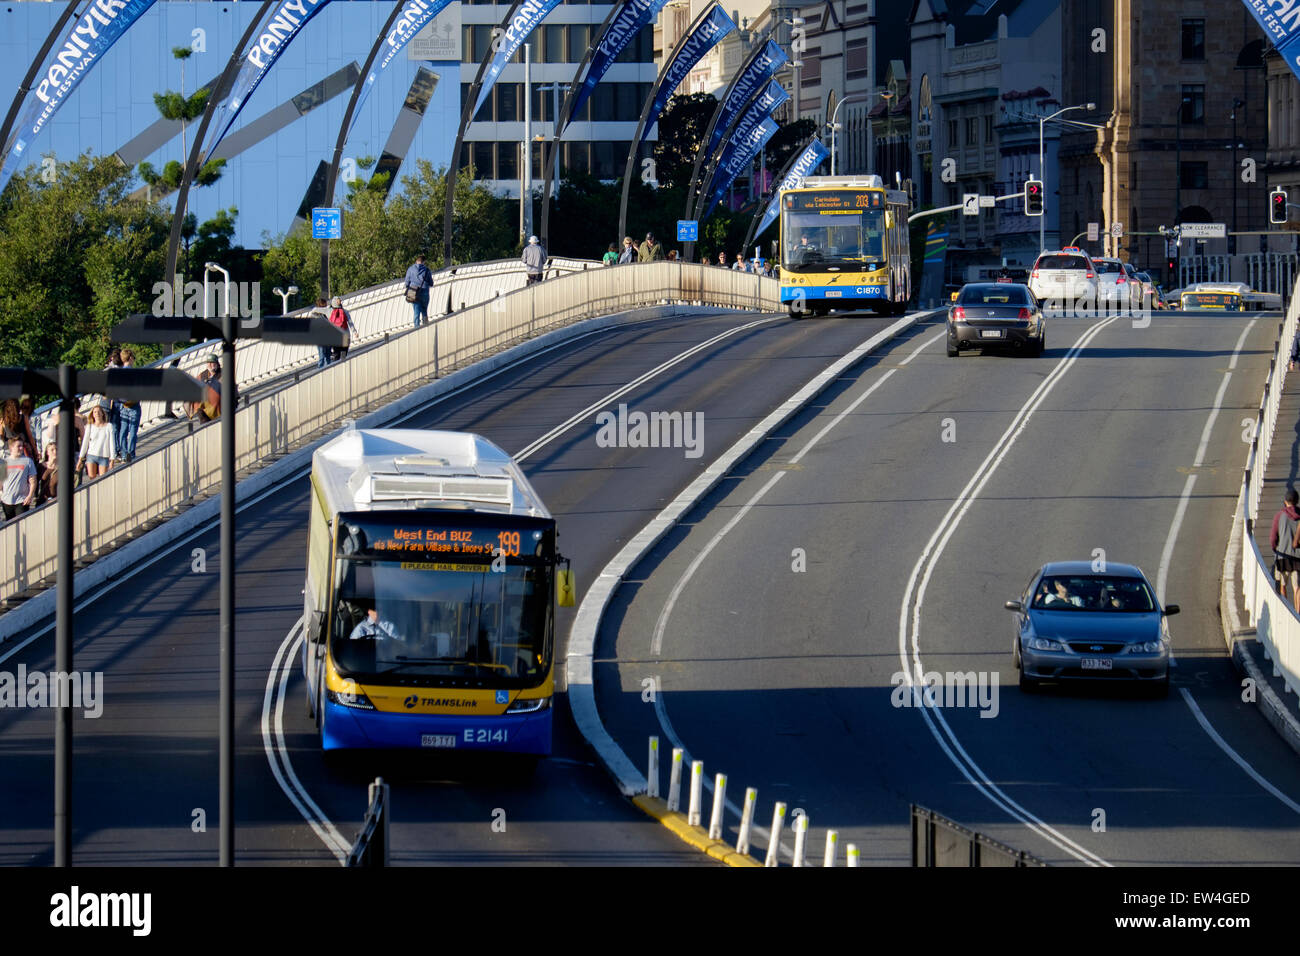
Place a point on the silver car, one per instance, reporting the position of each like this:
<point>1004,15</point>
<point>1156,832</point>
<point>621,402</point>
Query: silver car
<point>1118,285</point>
<point>1077,624</point>
<point>1064,278</point>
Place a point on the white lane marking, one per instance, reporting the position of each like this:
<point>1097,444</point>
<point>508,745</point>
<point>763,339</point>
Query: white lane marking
<point>640,380</point>
<point>923,569</point>
<point>1236,758</point>
<point>329,835</point>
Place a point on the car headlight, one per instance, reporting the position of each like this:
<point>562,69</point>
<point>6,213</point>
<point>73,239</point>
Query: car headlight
<point>349,699</point>
<point>1043,644</point>
<point>529,706</point>
<point>1146,647</point>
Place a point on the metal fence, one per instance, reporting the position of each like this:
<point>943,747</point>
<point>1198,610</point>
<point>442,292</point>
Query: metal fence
<point>938,841</point>
<point>1276,625</point>
<point>118,503</point>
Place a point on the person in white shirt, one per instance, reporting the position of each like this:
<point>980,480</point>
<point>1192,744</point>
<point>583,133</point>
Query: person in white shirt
<point>20,480</point>
<point>373,628</point>
<point>99,447</point>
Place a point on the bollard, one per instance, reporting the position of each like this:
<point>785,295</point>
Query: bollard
<point>774,838</point>
<point>800,838</point>
<point>652,774</point>
<point>693,815</point>
<point>852,853</point>
<point>719,799</point>
<point>746,820</point>
<point>675,782</point>
<point>832,842</point>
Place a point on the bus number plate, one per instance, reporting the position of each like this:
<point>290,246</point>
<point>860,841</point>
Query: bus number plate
<point>437,740</point>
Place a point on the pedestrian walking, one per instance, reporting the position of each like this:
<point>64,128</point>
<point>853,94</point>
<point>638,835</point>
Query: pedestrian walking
<point>322,311</point>
<point>1286,551</point>
<point>611,257</point>
<point>419,280</point>
<point>20,480</point>
<point>534,257</point>
<point>340,318</point>
<point>651,250</point>
<point>128,418</point>
<point>629,251</point>
<point>99,447</point>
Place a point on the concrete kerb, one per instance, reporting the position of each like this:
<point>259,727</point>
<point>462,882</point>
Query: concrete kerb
<point>136,552</point>
<point>582,638</point>
<point>1238,638</point>
<point>697,837</point>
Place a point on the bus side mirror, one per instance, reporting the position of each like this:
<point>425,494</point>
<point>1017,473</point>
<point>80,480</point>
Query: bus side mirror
<point>564,591</point>
<point>316,627</point>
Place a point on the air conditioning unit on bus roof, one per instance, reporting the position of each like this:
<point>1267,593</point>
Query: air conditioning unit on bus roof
<point>862,181</point>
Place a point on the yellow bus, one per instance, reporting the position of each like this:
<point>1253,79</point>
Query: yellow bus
<point>844,245</point>
<point>429,605</point>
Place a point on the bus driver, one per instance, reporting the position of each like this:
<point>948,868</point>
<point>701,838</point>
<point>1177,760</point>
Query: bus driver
<point>373,627</point>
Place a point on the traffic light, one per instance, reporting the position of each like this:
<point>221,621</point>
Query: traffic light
<point>1277,206</point>
<point>1033,197</point>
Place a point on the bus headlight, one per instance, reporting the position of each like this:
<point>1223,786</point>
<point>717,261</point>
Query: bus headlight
<point>348,699</point>
<point>529,706</point>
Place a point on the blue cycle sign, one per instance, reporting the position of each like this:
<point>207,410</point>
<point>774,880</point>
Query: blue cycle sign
<point>688,230</point>
<point>327,222</point>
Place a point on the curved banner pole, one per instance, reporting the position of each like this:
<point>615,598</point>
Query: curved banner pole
<point>785,180</point>
<point>26,86</point>
<point>192,162</point>
<point>671,65</point>
<point>688,248</point>
<point>331,177</point>
<point>765,102</point>
<point>748,149</point>
<point>548,154</point>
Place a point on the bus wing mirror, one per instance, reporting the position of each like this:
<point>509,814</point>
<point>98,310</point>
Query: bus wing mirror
<point>564,590</point>
<point>316,627</point>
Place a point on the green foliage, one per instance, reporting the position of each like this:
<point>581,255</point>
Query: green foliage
<point>788,140</point>
<point>682,126</point>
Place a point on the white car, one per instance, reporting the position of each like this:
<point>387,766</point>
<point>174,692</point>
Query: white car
<point>1064,276</point>
<point>1118,285</point>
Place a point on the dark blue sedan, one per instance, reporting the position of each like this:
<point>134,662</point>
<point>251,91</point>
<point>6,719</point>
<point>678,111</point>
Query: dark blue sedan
<point>1076,622</point>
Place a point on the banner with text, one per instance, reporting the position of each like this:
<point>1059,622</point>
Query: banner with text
<point>712,28</point>
<point>814,155</point>
<point>627,23</point>
<point>525,19</point>
<point>736,159</point>
<point>1282,27</point>
<point>759,70</point>
<point>408,23</point>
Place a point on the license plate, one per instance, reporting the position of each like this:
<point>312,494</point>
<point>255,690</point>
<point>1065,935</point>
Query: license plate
<point>834,295</point>
<point>1097,663</point>
<point>991,333</point>
<point>437,740</point>
<point>1059,279</point>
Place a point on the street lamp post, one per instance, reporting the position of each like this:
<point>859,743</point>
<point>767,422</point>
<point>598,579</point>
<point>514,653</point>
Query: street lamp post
<point>1042,172</point>
<point>312,330</point>
<point>284,297</point>
<point>131,384</point>
<point>851,98</point>
<point>1232,238</point>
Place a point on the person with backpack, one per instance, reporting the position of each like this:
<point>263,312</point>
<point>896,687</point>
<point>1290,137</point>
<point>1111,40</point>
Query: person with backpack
<point>340,318</point>
<point>1286,549</point>
<point>611,257</point>
<point>418,281</point>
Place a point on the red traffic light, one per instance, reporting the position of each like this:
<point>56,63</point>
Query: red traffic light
<point>1033,197</point>
<point>1277,208</point>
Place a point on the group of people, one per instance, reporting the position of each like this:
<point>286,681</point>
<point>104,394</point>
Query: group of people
<point>340,318</point>
<point>650,250</point>
<point>741,264</point>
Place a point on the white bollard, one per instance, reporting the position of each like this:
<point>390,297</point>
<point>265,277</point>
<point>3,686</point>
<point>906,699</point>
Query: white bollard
<point>719,797</point>
<point>652,775</point>
<point>675,782</point>
<point>746,820</point>
<point>800,838</point>
<point>852,852</point>
<point>774,838</point>
<point>693,814</point>
<point>832,842</point>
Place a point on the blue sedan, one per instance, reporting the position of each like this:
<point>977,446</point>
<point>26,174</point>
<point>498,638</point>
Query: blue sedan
<point>1074,623</point>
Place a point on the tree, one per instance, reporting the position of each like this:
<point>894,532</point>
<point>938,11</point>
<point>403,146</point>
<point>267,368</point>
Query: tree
<point>682,126</point>
<point>788,139</point>
<point>176,107</point>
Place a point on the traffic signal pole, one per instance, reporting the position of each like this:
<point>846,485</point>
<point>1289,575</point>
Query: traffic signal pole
<point>943,209</point>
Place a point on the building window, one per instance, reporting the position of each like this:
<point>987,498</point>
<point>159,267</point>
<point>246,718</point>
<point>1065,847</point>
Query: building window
<point>577,157</point>
<point>602,155</point>
<point>508,103</point>
<point>553,51</point>
<point>1194,39</point>
<point>507,161</point>
<point>579,40</point>
<point>952,133</point>
<point>972,131</point>
<point>483,154</point>
<point>1193,108</point>
<point>988,128</point>
<point>1194,175</point>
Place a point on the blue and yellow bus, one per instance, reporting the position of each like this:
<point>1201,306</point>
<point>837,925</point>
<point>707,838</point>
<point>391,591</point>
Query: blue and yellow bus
<point>844,245</point>
<point>429,606</point>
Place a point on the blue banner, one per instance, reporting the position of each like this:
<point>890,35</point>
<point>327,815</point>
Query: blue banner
<point>409,22</point>
<point>277,33</point>
<point>759,70</point>
<point>629,21</point>
<point>814,155</point>
<point>1282,27</point>
<point>763,105</point>
<point>710,30</point>
<point>736,157</point>
<point>529,14</point>
<point>97,29</point>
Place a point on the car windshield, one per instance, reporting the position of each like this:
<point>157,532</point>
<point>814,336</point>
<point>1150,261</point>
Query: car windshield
<point>1061,262</point>
<point>1093,592</point>
<point>993,295</point>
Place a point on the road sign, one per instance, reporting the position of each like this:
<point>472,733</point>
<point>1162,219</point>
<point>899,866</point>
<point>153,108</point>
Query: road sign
<point>988,202</point>
<point>1203,230</point>
<point>970,203</point>
<point>688,230</point>
<point>327,222</point>
<point>1094,231</point>
<point>1117,230</point>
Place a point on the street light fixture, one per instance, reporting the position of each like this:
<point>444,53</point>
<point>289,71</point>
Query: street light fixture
<point>1042,172</point>
<point>131,384</point>
<point>284,297</point>
<point>312,330</point>
<point>851,98</point>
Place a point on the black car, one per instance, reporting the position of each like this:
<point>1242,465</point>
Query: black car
<point>995,315</point>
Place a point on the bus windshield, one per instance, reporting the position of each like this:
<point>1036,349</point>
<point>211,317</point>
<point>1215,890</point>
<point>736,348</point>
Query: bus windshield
<point>813,239</point>
<point>441,620</point>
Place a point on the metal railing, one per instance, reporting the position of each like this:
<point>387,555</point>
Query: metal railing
<point>1276,625</point>
<point>938,841</point>
<point>173,475</point>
